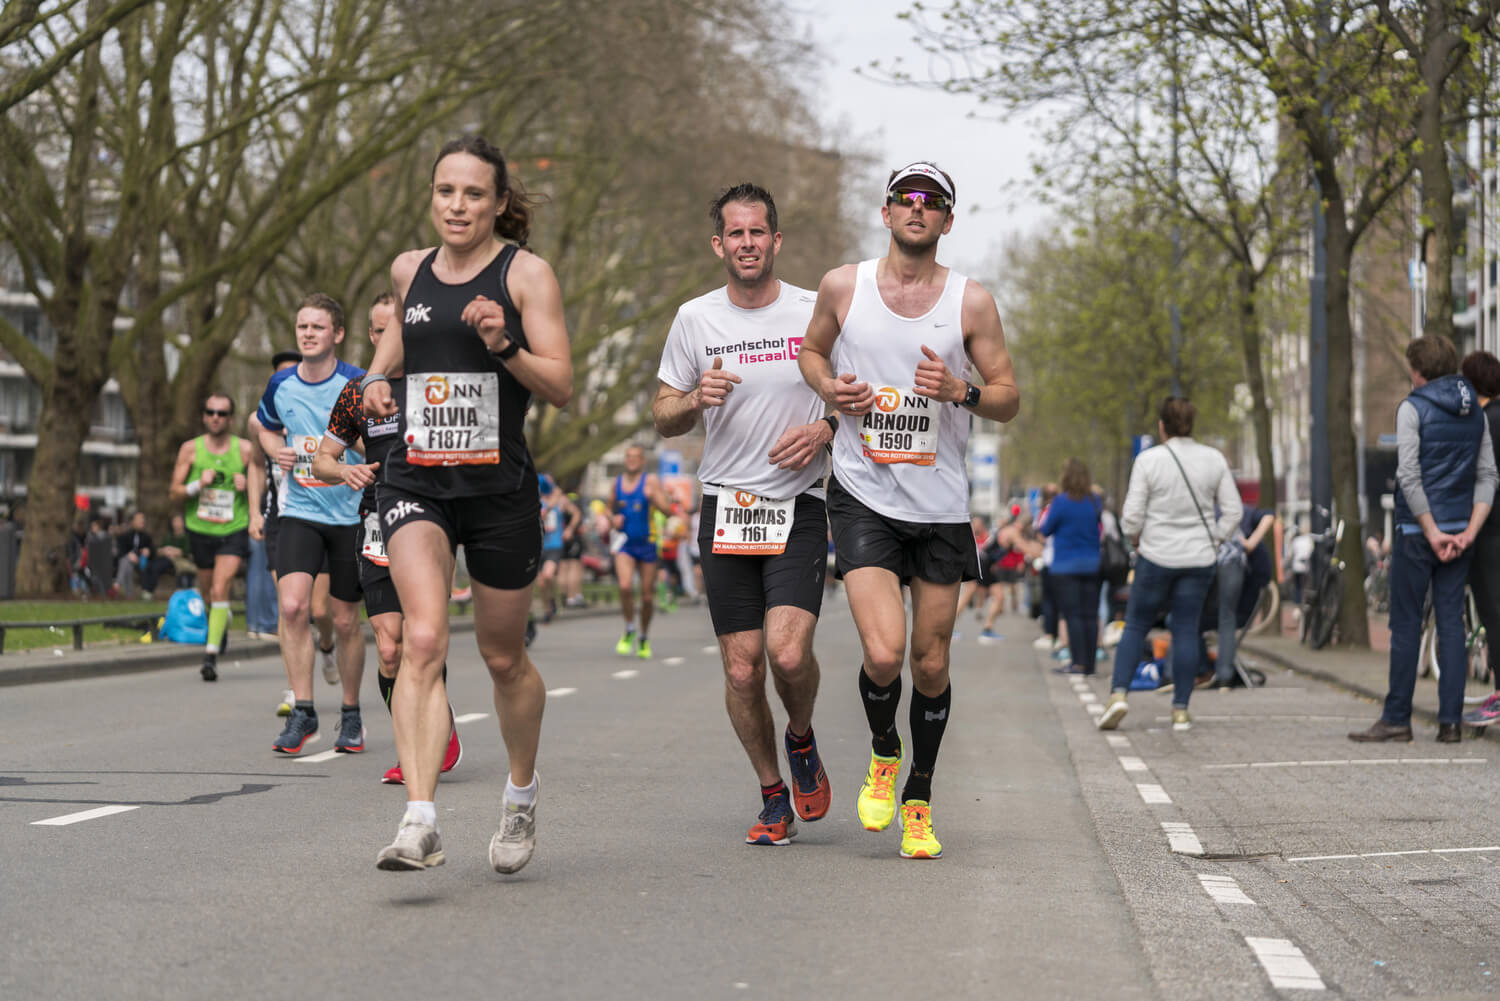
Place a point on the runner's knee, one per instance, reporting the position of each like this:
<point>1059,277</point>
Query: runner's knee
<point>789,662</point>
<point>506,666</point>
<point>883,662</point>
<point>424,644</point>
<point>744,675</point>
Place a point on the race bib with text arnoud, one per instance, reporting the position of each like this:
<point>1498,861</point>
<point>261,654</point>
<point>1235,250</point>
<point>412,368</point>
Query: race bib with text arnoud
<point>901,427</point>
<point>453,419</point>
<point>747,525</point>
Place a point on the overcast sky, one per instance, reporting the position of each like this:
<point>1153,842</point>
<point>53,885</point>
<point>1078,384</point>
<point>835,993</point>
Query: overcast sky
<point>987,158</point>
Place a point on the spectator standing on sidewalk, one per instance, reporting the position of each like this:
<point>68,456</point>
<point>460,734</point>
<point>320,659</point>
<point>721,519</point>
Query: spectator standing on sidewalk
<point>1173,487</point>
<point>1299,557</point>
<point>1445,483</point>
<point>1240,582</point>
<point>1482,369</point>
<point>1073,524</point>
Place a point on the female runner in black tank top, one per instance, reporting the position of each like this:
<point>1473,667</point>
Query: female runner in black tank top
<point>481,331</point>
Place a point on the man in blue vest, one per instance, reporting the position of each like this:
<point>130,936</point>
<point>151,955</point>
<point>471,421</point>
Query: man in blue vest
<point>1445,484</point>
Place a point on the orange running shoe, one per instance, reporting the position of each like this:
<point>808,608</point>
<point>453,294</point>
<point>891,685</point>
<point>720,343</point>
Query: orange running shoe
<point>777,824</point>
<point>811,791</point>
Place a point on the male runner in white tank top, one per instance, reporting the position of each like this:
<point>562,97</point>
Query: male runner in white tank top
<point>732,356</point>
<point>889,345</point>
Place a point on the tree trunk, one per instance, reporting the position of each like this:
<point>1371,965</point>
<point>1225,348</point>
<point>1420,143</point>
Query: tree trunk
<point>1437,210</point>
<point>1255,377</point>
<point>42,570</point>
<point>1354,622</point>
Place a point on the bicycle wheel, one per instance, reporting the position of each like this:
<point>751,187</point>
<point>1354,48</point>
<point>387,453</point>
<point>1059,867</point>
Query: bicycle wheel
<point>1330,595</point>
<point>1267,611</point>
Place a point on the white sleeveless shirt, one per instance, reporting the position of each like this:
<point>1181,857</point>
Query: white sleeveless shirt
<point>908,458</point>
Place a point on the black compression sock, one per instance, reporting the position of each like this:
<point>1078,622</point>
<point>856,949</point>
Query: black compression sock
<point>307,707</point>
<point>880,705</point>
<point>387,686</point>
<point>349,709</point>
<point>766,792</point>
<point>929,718</point>
<point>797,743</point>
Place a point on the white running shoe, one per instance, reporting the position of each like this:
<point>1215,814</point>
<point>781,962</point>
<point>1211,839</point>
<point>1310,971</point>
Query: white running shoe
<point>330,666</point>
<point>512,846</point>
<point>417,846</point>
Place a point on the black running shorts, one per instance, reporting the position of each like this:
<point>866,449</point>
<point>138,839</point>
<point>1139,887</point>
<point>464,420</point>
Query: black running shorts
<point>937,553</point>
<point>501,533</point>
<point>573,548</point>
<point>741,588</point>
<point>272,533</point>
<point>308,546</point>
<point>380,594</point>
<point>205,548</point>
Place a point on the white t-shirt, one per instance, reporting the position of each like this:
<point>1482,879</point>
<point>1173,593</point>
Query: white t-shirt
<point>760,346</point>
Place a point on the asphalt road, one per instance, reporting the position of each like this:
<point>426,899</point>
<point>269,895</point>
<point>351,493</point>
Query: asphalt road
<point>237,873</point>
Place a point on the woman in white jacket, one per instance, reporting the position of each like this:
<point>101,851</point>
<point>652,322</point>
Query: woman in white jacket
<point>1174,490</point>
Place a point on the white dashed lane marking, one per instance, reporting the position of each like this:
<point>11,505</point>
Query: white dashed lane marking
<point>1285,964</point>
<point>311,759</point>
<point>1117,741</point>
<point>558,693</point>
<point>1095,709</point>
<point>1349,761</point>
<point>1410,851</point>
<point>75,818</point>
<point>473,717</point>
<point>710,649</point>
<point>627,673</point>
<point>1180,838</point>
<point>673,661</point>
<point>1153,794</point>
<point>1132,764</point>
<point>1087,697</point>
<point>1224,889</point>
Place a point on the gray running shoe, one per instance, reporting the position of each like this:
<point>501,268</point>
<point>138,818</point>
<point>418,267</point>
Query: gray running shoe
<point>351,738</point>
<point>330,665</point>
<point>513,844</point>
<point>417,846</point>
<point>301,730</point>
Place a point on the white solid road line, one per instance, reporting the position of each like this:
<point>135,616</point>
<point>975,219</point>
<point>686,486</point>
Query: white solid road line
<point>1349,761</point>
<point>1180,838</point>
<point>473,717</point>
<point>558,693</point>
<point>1412,851</point>
<point>320,756</point>
<point>627,673</point>
<point>1224,889</point>
<point>1285,964</point>
<point>1154,794</point>
<point>74,818</point>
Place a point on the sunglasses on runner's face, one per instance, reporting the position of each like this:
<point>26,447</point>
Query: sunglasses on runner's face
<point>215,413</point>
<point>927,199</point>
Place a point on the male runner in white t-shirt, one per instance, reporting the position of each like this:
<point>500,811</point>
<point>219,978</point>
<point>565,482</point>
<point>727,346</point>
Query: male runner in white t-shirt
<point>732,356</point>
<point>888,345</point>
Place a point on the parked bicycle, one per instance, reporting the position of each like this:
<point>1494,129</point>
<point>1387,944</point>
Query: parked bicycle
<point>1476,643</point>
<point>1324,592</point>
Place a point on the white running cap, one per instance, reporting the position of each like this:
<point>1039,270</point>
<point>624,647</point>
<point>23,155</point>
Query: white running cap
<point>921,169</point>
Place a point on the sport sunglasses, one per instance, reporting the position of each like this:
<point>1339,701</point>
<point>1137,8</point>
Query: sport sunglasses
<point>926,199</point>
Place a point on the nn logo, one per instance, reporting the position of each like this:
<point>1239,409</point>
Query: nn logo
<point>436,390</point>
<point>887,399</point>
<point>418,314</point>
<point>744,499</point>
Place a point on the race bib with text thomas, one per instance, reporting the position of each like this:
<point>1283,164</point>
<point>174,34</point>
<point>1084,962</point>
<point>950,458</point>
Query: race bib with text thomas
<point>747,525</point>
<point>901,427</point>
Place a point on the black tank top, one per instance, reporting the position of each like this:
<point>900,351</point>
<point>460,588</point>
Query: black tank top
<point>460,399</point>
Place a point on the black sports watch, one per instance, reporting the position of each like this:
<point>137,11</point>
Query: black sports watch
<point>508,352</point>
<point>971,396</point>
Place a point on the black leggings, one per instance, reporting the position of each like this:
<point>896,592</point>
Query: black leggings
<point>1484,581</point>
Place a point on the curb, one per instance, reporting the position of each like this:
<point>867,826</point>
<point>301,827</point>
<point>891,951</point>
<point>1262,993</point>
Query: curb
<point>101,662</point>
<point>1337,681</point>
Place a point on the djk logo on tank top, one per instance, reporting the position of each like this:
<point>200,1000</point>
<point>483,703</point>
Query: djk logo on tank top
<point>418,314</point>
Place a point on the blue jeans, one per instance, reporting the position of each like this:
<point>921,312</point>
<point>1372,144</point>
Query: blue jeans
<point>260,591</point>
<point>1231,583</point>
<point>1415,567</point>
<point>1078,600</point>
<point>1181,592</point>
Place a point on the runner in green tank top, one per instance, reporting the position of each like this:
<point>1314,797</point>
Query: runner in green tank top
<point>212,479</point>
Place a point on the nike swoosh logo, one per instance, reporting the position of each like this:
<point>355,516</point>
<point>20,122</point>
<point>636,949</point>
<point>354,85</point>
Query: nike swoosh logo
<point>940,324</point>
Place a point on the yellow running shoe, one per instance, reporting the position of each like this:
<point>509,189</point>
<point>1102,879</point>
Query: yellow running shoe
<point>644,652</point>
<point>626,646</point>
<point>877,797</point>
<point>917,839</point>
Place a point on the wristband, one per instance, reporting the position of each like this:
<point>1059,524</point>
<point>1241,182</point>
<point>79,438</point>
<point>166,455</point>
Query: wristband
<point>832,421</point>
<point>372,377</point>
<point>194,488</point>
<point>508,352</point>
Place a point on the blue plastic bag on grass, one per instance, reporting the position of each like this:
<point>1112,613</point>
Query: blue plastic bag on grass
<point>186,620</point>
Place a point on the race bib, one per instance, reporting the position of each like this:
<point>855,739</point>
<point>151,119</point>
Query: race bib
<point>453,419</point>
<point>373,548</point>
<point>747,525</point>
<point>901,427</point>
<point>306,446</point>
<point>215,504</point>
